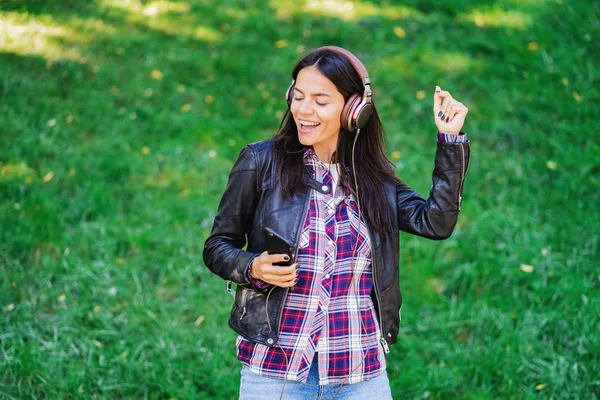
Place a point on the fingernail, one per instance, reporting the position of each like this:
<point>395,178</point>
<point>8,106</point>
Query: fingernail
<point>437,89</point>
<point>440,114</point>
<point>442,117</point>
<point>447,119</point>
<point>295,281</point>
<point>286,258</point>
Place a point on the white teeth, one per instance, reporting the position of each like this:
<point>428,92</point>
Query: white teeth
<point>309,123</point>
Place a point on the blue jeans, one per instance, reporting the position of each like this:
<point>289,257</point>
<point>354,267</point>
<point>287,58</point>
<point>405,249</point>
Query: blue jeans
<point>257,387</point>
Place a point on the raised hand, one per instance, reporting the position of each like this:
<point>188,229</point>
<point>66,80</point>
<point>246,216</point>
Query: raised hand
<point>449,113</point>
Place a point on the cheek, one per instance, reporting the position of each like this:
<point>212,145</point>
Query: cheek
<point>334,117</point>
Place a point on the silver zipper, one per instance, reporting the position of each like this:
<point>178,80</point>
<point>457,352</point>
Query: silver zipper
<point>384,343</point>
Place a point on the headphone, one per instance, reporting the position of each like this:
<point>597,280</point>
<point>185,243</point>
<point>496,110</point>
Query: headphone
<point>358,109</point>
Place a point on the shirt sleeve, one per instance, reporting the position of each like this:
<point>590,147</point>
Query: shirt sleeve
<point>448,138</point>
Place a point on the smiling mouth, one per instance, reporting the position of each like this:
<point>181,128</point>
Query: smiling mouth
<point>307,126</point>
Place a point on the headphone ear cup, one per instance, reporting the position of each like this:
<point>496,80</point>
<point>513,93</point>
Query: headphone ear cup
<point>290,93</point>
<point>347,112</point>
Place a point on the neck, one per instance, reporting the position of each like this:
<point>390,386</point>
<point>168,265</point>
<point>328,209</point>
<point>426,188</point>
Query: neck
<point>325,155</point>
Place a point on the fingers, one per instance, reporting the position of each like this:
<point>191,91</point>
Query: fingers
<point>458,109</point>
<point>442,103</point>
<point>263,269</point>
<point>267,258</point>
<point>280,276</point>
<point>445,107</point>
<point>438,98</point>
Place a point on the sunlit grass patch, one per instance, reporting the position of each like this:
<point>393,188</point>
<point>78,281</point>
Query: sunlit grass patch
<point>41,36</point>
<point>343,9</point>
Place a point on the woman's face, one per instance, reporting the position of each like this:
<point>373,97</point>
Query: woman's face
<point>316,107</point>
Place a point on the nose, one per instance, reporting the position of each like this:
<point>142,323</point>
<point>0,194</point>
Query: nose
<point>304,107</point>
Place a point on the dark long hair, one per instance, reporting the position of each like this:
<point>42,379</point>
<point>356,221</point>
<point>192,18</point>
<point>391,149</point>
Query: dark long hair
<point>372,165</point>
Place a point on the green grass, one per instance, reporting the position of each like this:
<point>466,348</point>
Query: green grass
<point>119,124</point>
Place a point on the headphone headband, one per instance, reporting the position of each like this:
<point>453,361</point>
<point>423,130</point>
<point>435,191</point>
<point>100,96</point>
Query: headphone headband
<point>356,63</point>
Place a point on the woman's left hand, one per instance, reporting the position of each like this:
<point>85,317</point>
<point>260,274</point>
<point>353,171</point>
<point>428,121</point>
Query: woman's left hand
<point>449,114</point>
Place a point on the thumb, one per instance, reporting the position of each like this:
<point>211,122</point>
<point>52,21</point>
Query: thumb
<point>437,98</point>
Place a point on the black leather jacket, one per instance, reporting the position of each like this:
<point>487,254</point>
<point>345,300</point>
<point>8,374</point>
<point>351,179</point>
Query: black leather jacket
<point>253,200</point>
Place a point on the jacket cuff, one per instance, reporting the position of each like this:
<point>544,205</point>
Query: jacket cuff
<point>448,138</point>
<point>258,285</point>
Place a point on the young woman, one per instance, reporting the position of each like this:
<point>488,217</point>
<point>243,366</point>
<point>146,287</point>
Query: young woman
<point>321,327</point>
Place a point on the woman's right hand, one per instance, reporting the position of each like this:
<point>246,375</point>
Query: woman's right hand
<point>262,268</point>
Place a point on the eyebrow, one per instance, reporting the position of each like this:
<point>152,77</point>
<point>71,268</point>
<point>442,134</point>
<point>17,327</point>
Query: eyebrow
<point>312,94</point>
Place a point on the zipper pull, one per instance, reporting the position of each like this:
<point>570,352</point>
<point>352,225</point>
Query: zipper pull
<point>243,313</point>
<point>459,202</point>
<point>386,348</point>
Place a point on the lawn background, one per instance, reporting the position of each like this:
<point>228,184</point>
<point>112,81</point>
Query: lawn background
<point>120,121</point>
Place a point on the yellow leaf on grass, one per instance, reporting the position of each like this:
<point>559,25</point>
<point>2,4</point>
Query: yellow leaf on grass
<point>156,74</point>
<point>421,94</point>
<point>541,386</point>
<point>48,177</point>
<point>145,150</point>
<point>280,44</point>
<point>51,123</point>
<point>62,298</point>
<point>69,119</point>
<point>576,96</point>
<point>526,268</point>
<point>185,108</point>
<point>398,31</point>
<point>396,154</point>
<point>533,46</point>
<point>72,172</point>
<point>479,21</point>
<point>209,98</point>
<point>199,320</point>
<point>551,165</point>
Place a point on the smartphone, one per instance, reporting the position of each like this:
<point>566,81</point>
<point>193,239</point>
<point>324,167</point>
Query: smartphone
<point>277,245</point>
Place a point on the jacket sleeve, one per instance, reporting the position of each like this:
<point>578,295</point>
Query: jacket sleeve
<point>435,218</point>
<point>223,252</point>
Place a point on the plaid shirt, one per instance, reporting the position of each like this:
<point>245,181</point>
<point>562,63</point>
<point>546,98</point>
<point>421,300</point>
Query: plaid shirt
<point>321,311</point>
